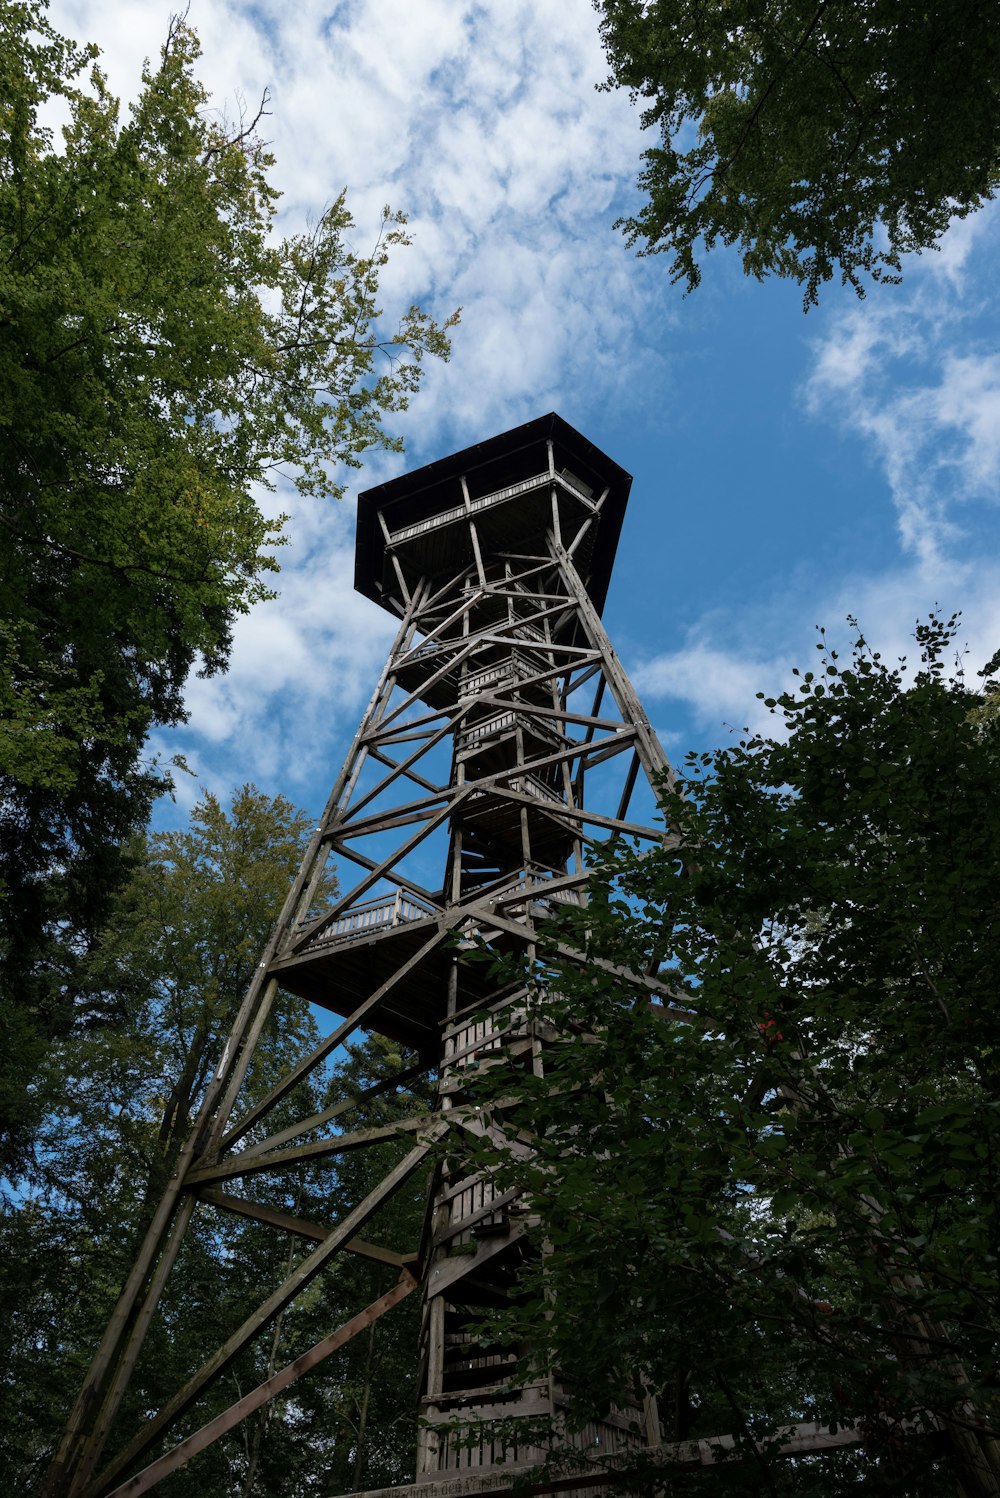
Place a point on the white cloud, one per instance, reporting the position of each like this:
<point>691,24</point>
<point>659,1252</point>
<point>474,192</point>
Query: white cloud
<point>915,372</point>
<point>909,371</point>
<point>302,668</point>
<point>716,684</point>
<point>727,659</point>
<point>481,121</point>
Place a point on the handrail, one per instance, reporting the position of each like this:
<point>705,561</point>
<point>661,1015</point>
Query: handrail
<point>487,728</point>
<point>381,914</point>
<point>445,517</point>
<point>526,785</point>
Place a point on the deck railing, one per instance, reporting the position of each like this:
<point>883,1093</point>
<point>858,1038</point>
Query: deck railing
<point>470,734</point>
<point>446,517</point>
<point>527,785</point>
<point>390,911</point>
<point>538,892</point>
<point>375,915</point>
<point>512,669</point>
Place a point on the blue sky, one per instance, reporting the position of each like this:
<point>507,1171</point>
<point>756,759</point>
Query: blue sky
<point>789,469</point>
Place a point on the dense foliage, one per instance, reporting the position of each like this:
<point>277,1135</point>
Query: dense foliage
<point>821,137</point>
<point>777,1196</point>
<point>162,355</point>
<point>184,936</point>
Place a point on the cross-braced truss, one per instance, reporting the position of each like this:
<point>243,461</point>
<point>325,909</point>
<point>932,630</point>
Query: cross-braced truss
<point>503,741</point>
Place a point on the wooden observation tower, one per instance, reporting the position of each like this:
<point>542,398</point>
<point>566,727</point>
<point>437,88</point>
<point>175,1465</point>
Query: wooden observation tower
<point>503,737</point>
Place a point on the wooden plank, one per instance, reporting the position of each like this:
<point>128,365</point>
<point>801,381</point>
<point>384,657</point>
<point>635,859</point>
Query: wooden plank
<point>182,1453</point>
<point>246,1163</point>
<point>628,788</point>
<point>302,1276</point>
<point>533,1402</point>
<point>449,1271</point>
<point>451,618</point>
<point>589,753</point>
<point>462,1224</point>
<point>561,657</point>
<point>404,815</point>
<point>314,1232</point>
<point>794,1440</point>
<point>407,733</point>
<point>433,600</point>
<point>406,597</point>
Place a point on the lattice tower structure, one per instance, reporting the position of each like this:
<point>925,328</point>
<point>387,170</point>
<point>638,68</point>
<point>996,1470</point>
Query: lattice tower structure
<point>503,738</point>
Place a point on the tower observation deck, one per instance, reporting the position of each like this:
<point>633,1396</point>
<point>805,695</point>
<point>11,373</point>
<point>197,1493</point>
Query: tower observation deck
<point>514,489</point>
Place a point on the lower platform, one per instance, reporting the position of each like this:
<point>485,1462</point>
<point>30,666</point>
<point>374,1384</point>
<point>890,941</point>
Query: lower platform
<point>588,1477</point>
<point>340,975</point>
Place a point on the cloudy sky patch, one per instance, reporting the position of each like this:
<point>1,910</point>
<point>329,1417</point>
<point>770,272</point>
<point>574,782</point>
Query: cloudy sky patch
<point>789,470</point>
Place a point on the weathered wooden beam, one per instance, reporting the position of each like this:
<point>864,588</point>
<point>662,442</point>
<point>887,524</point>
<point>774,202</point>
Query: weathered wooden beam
<point>489,916</point>
<point>451,618</point>
<point>388,821</point>
<point>411,730</point>
<point>181,1454</point>
<point>573,815</point>
<point>328,1045</point>
<point>450,1271</point>
<point>654,760</point>
<point>303,1275</point>
<point>398,769</point>
<point>391,764</point>
<point>317,1120</point>
<point>416,696</point>
<point>364,862</point>
<point>298,1227</point>
<point>377,871</point>
<point>246,1163</point>
<point>507,698</point>
<point>589,752</point>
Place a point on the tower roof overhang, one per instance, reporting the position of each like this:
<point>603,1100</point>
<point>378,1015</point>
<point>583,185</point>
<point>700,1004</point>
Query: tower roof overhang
<point>547,449</point>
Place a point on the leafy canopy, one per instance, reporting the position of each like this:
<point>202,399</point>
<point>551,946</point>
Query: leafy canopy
<point>162,356</point>
<point>778,1195</point>
<point>822,137</point>
<point>171,965</point>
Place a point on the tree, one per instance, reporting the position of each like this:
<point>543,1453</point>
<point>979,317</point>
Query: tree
<point>177,955</point>
<point>776,1191</point>
<point>184,936</point>
<point>820,137</point>
<point>161,356</point>
<point>171,963</point>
